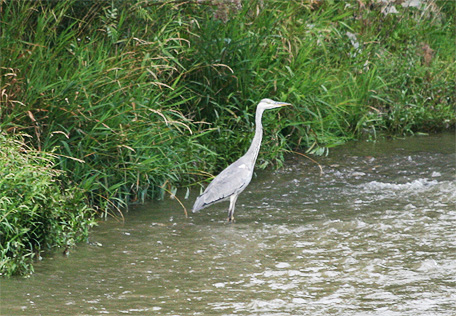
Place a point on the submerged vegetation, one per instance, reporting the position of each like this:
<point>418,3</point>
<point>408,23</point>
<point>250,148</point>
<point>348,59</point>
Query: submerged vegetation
<point>127,100</point>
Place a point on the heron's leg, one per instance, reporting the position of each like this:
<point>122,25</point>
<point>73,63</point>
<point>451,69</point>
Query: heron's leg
<point>233,199</point>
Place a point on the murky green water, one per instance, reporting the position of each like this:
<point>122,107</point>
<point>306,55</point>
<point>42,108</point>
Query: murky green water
<point>374,235</point>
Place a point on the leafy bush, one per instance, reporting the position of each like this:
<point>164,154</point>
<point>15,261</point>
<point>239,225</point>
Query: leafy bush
<point>36,213</point>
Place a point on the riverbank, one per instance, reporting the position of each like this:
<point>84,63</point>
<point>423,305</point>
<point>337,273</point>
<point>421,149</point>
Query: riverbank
<point>372,235</point>
<point>135,99</point>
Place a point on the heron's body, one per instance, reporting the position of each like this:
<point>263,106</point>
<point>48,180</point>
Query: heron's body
<point>235,178</point>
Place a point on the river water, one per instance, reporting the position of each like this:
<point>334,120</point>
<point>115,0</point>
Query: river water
<point>375,234</point>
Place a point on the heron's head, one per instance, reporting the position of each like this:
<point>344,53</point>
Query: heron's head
<point>266,104</point>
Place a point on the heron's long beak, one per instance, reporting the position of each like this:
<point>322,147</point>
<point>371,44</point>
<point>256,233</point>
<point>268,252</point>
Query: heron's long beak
<point>283,104</point>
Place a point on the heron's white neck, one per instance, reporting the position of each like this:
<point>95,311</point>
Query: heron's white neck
<point>256,142</point>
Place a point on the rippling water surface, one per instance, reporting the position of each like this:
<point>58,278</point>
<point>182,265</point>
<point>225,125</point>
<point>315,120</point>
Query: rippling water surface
<point>375,234</point>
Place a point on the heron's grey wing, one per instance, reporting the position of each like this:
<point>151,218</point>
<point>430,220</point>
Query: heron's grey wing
<point>230,181</point>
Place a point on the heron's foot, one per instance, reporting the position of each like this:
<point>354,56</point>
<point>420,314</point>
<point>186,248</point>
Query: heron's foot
<point>230,219</point>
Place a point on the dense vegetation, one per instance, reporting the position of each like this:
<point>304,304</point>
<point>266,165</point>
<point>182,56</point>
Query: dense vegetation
<point>35,211</point>
<point>127,100</point>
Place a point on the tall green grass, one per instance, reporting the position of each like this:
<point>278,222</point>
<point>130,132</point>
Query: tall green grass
<point>137,98</point>
<point>110,107</point>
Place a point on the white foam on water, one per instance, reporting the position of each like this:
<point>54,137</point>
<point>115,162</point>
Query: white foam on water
<point>419,184</point>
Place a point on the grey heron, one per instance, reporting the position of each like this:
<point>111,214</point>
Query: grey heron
<point>235,178</point>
